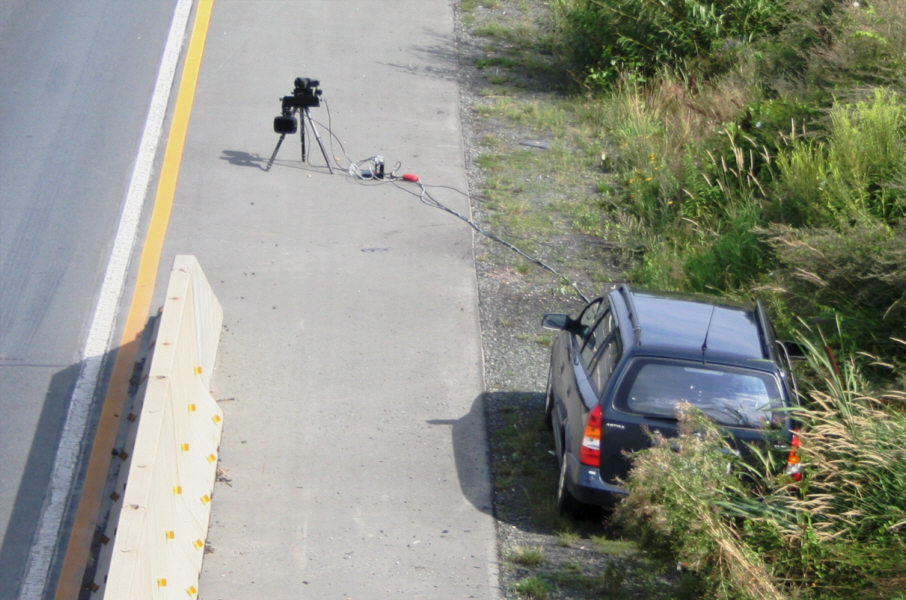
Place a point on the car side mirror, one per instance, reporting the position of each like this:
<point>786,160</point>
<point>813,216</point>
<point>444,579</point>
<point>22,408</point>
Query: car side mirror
<point>562,323</point>
<point>555,321</point>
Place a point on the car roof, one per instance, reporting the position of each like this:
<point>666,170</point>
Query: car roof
<point>692,327</point>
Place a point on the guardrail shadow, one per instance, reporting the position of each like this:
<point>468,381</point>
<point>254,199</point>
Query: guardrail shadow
<point>34,486</point>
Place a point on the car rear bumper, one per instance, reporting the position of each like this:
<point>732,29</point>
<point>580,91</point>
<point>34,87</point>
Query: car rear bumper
<point>586,485</point>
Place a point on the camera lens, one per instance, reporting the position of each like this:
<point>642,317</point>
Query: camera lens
<point>285,125</point>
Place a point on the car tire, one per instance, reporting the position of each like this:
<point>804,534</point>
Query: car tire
<point>549,403</point>
<point>566,503</point>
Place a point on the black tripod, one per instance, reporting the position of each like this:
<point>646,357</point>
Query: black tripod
<point>284,128</point>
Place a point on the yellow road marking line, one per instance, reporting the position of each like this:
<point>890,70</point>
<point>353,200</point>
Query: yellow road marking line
<point>87,515</point>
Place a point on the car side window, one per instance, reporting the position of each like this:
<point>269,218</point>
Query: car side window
<point>589,316</point>
<point>597,336</point>
<point>587,319</point>
<point>605,363</point>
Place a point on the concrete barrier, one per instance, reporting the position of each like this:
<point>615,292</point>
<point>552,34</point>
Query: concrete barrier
<point>160,529</point>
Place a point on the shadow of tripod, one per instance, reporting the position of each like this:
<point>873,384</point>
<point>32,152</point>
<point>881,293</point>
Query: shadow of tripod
<point>305,95</point>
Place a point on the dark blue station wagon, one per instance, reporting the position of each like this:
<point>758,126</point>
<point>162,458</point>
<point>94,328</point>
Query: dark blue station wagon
<point>619,370</point>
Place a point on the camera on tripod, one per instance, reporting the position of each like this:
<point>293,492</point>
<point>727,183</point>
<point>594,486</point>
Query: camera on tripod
<point>305,95</point>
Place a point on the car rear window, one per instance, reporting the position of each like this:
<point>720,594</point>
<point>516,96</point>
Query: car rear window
<point>729,395</point>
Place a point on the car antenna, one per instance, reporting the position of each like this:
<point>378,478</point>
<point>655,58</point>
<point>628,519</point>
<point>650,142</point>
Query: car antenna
<point>707,332</point>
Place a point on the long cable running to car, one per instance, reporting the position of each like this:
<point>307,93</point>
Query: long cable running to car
<point>357,170</point>
<point>372,170</point>
<point>426,198</point>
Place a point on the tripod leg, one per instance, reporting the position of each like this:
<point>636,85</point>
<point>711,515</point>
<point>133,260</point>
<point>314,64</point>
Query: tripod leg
<point>318,138</point>
<point>302,137</point>
<point>274,155</point>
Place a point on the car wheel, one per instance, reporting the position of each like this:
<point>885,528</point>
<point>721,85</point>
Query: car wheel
<point>549,403</point>
<point>565,501</point>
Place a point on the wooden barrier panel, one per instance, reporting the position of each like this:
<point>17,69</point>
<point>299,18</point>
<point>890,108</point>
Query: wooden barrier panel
<point>164,511</point>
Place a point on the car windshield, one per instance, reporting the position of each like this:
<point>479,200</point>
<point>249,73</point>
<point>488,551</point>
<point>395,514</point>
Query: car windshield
<point>728,395</point>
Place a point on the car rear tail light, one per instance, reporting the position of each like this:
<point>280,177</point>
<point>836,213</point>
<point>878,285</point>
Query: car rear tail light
<point>590,453</point>
<point>792,460</point>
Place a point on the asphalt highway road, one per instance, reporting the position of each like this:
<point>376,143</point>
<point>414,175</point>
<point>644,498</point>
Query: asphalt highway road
<point>75,83</point>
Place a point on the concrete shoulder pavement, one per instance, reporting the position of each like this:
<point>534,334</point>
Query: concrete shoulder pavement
<point>353,460</point>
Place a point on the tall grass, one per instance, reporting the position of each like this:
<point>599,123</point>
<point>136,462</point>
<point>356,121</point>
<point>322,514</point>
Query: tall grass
<point>762,151</point>
<point>862,43</point>
<point>855,173</point>
<point>608,39</point>
<point>724,176</point>
<point>855,272</point>
<point>676,489</point>
<point>839,533</point>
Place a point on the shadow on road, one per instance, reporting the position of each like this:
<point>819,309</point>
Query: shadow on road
<point>504,437</point>
<point>470,451</point>
<point>34,487</point>
<point>439,60</point>
<point>479,432</point>
<point>241,158</point>
<point>244,159</point>
<point>26,509</point>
